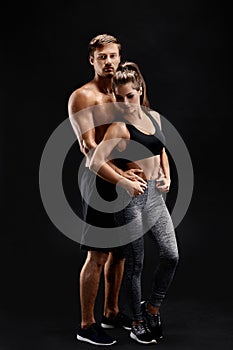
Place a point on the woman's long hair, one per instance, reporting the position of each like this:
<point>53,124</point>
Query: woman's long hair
<point>129,72</point>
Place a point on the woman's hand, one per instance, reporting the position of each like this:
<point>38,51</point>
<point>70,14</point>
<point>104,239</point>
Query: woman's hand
<point>134,188</point>
<point>163,184</point>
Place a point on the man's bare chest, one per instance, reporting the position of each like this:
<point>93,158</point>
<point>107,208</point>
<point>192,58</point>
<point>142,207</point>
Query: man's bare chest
<point>104,114</point>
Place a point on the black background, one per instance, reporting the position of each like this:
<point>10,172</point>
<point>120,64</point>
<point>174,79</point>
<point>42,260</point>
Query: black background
<point>184,50</point>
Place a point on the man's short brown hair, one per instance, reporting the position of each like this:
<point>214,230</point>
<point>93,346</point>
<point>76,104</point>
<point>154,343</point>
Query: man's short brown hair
<point>102,40</point>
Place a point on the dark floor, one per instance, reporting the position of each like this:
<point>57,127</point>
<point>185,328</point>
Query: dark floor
<point>188,325</point>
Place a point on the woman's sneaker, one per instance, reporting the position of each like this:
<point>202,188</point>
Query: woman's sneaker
<point>153,321</point>
<point>142,334</point>
<point>95,335</point>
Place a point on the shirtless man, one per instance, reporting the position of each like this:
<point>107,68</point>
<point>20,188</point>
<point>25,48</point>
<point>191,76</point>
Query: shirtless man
<point>90,113</point>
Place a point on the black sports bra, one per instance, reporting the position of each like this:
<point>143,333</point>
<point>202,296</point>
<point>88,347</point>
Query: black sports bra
<point>144,146</point>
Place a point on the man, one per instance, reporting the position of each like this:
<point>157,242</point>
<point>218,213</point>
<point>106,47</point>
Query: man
<point>90,113</point>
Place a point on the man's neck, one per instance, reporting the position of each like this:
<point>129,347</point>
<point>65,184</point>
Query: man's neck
<point>104,84</point>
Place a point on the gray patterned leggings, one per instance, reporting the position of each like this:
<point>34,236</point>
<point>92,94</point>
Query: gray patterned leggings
<point>149,214</point>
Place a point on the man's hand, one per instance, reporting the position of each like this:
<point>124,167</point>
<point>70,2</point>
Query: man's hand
<point>131,174</point>
<point>134,188</point>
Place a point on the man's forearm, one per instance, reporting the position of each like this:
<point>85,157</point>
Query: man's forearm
<point>114,167</point>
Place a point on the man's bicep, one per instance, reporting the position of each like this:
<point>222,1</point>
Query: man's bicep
<point>83,126</point>
<point>80,112</point>
<point>83,120</point>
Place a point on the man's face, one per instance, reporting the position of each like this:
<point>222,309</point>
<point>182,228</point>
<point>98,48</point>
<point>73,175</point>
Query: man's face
<point>106,60</point>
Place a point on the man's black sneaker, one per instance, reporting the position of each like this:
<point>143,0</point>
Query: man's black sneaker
<point>142,334</point>
<point>153,321</point>
<point>95,335</point>
<point>119,321</point>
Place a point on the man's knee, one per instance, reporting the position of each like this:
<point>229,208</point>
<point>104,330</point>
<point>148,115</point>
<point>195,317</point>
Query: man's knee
<point>116,257</point>
<point>97,258</point>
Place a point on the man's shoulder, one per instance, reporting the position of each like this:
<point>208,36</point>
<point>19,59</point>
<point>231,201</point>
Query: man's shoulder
<point>82,97</point>
<point>85,91</point>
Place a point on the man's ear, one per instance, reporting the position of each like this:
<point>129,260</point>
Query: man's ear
<point>140,90</point>
<point>91,60</point>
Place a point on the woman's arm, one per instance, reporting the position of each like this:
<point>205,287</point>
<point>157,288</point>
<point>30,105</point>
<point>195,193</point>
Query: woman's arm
<point>165,164</point>
<point>164,180</point>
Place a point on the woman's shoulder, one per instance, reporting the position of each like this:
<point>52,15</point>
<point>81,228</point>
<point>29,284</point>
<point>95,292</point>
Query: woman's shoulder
<point>156,115</point>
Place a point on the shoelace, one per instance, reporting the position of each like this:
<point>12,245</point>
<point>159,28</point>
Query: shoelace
<point>141,328</point>
<point>154,319</point>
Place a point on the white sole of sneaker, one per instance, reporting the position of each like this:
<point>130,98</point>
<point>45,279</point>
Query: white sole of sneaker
<point>92,342</point>
<point>134,337</point>
<point>108,326</point>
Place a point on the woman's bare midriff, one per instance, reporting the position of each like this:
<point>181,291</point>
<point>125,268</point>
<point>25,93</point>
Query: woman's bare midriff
<point>150,167</point>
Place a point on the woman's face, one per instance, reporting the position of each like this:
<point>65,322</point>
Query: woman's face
<point>129,96</point>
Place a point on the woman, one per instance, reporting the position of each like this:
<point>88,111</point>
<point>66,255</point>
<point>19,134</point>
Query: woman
<point>138,139</point>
